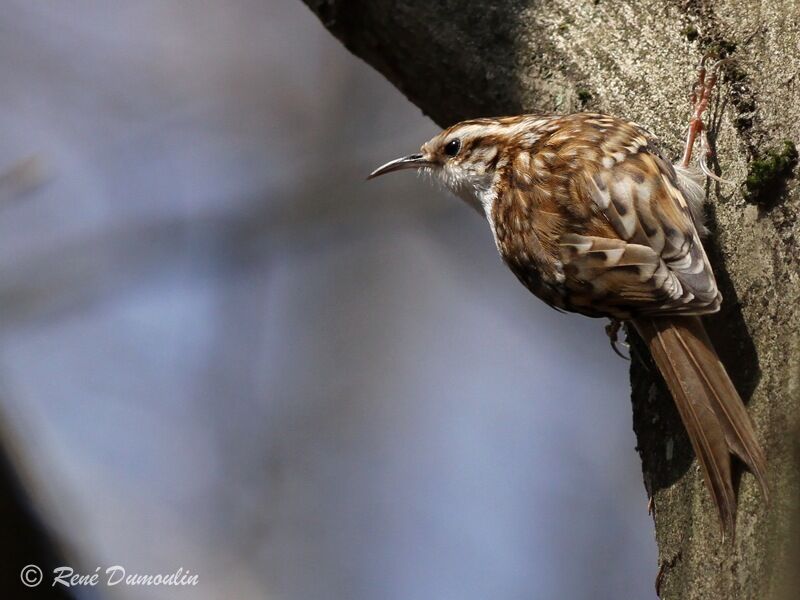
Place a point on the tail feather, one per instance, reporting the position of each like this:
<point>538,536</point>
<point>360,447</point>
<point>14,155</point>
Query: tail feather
<point>710,408</point>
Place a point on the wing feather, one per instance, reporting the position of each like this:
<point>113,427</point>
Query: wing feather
<point>656,265</point>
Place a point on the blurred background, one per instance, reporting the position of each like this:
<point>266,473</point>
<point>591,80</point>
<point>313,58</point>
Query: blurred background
<point>222,350</point>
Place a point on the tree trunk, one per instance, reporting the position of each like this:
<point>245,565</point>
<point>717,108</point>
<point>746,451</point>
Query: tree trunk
<point>457,59</point>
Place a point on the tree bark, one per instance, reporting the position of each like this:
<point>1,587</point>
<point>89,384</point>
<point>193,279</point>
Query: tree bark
<point>457,59</point>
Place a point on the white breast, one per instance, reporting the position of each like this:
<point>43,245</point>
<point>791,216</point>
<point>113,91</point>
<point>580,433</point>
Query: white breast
<point>480,193</point>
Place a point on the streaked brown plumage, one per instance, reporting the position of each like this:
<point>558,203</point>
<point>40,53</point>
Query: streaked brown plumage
<point>592,219</point>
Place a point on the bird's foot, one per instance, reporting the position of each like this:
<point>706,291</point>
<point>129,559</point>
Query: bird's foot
<point>612,331</point>
<point>701,94</point>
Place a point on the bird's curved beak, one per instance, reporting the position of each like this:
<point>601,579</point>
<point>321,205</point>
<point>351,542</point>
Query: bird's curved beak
<point>412,161</point>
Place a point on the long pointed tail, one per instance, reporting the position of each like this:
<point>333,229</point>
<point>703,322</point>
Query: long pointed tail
<point>710,408</point>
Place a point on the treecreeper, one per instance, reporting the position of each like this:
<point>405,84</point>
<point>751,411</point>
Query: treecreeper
<point>591,218</point>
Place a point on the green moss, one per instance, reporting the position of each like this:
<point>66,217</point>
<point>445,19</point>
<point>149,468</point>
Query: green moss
<point>768,174</point>
<point>584,96</point>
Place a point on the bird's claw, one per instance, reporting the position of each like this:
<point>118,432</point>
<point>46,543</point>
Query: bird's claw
<point>701,93</point>
<point>612,331</point>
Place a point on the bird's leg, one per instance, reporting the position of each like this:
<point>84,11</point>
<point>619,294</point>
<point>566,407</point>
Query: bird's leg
<point>701,94</point>
<point>612,331</point>
<point>701,91</point>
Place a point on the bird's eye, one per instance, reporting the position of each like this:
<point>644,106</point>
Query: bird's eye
<point>452,147</point>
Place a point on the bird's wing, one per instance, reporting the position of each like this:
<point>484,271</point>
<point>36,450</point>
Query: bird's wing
<point>656,264</point>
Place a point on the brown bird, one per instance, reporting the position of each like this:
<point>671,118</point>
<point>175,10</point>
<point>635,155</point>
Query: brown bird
<point>592,219</point>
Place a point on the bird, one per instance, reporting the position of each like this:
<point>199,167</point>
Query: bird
<point>591,217</point>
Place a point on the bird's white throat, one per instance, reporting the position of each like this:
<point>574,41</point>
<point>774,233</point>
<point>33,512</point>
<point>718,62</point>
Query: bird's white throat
<point>476,189</point>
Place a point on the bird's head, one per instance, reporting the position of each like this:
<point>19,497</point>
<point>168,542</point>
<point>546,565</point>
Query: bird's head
<point>464,157</point>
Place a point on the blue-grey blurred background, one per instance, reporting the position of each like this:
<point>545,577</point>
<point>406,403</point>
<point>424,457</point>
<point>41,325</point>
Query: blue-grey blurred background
<point>221,349</point>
